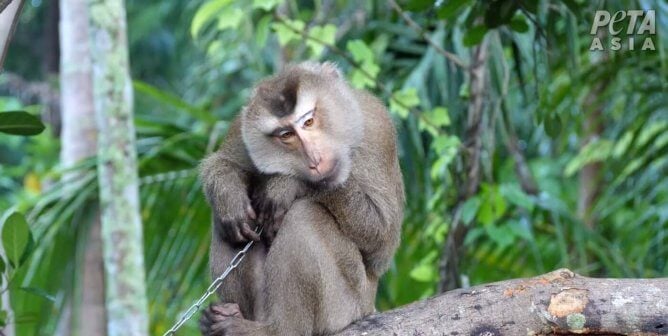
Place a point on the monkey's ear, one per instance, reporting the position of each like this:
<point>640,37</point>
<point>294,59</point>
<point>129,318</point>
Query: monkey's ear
<point>331,69</point>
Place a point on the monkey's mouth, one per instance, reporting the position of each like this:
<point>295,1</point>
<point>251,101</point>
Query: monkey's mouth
<point>330,179</point>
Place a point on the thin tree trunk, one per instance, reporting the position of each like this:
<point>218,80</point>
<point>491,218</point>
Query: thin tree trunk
<point>9,329</point>
<point>449,264</point>
<point>51,58</point>
<point>127,311</point>
<point>589,178</point>
<point>78,141</point>
<point>9,14</point>
<point>9,17</point>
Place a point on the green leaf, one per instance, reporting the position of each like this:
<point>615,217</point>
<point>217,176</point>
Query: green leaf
<point>650,132</point>
<point>20,123</point>
<point>530,5</point>
<point>595,151</point>
<point>28,249</point>
<point>15,237</point>
<point>360,80</point>
<point>450,8</point>
<point>360,51</point>
<point>515,195</point>
<point>434,119</point>
<point>262,31</point>
<point>519,24</point>
<point>172,100</point>
<point>622,144</point>
<point>214,48</point>
<point>364,56</point>
<point>446,148</point>
<point>499,13</point>
<point>402,101</point>
<point>206,13</point>
<point>266,5</point>
<point>473,235</point>
<point>474,35</point>
<point>288,31</point>
<point>39,292</point>
<point>519,230</point>
<point>229,18</point>
<point>423,273</point>
<point>419,5</point>
<point>2,265</point>
<point>470,209</point>
<point>502,235</point>
<point>493,206</point>
<point>323,34</point>
<point>552,125</point>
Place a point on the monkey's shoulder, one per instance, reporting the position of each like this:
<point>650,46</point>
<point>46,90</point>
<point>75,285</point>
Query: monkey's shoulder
<point>376,116</point>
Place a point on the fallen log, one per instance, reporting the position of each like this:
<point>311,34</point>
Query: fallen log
<point>556,303</point>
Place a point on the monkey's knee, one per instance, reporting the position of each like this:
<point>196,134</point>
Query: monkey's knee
<point>244,285</point>
<point>306,212</point>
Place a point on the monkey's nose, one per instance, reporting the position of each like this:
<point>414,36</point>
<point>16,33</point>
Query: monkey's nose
<point>314,161</point>
<point>314,166</point>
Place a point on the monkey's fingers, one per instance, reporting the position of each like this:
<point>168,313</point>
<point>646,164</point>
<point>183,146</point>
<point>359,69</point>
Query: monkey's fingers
<point>230,231</point>
<point>206,320</point>
<point>248,233</point>
<point>270,231</point>
<point>236,235</point>
<point>226,310</point>
<point>250,212</point>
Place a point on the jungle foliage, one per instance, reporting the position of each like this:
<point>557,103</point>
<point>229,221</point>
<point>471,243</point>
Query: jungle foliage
<point>570,161</point>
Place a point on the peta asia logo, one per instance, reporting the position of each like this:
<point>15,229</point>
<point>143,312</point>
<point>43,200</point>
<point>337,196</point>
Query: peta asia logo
<point>624,28</point>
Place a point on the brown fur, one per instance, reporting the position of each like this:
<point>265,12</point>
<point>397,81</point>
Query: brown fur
<point>318,270</point>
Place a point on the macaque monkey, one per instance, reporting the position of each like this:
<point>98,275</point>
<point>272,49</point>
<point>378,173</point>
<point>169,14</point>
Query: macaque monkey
<point>315,162</point>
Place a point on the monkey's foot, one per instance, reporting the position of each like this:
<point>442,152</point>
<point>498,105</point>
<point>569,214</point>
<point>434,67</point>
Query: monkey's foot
<point>225,319</point>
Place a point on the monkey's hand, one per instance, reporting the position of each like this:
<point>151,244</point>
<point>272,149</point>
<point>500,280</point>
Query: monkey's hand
<point>234,219</point>
<point>273,199</point>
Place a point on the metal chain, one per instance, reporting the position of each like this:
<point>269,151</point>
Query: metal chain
<point>212,288</point>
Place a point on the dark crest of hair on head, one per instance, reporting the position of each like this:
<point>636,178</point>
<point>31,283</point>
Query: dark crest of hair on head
<point>279,95</point>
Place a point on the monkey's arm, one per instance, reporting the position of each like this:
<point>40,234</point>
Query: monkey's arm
<point>370,215</point>
<point>273,198</point>
<point>225,177</point>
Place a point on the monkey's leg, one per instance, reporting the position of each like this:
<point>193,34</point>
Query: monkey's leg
<point>315,281</point>
<point>241,291</point>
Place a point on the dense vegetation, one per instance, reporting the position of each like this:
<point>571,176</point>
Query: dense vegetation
<point>522,150</point>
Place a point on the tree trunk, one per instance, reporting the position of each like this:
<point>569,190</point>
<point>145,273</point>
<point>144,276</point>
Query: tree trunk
<point>127,311</point>
<point>9,17</point>
<point>590,175</point>
<point>559,302</point>
<point>449,262</point>
<point>78,141</point>
<point>51,57</point>
<point>7,330</point>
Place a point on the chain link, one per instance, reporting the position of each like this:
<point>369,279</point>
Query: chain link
<point>211,289</point>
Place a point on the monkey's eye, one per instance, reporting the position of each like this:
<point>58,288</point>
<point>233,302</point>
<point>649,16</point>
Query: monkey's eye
<point>308,122</point>
<point>286,135</point>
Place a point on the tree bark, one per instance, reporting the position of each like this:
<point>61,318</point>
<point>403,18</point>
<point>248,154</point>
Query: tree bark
<point>78,142</point>
<point>126,302</point>
<point>449,262</point>
<point>51,58</point>
<point>9,17</point>
<point>590,175</point>
<point>556,303</point>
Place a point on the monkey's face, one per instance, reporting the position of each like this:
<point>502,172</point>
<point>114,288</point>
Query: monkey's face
<point>304,127</point>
